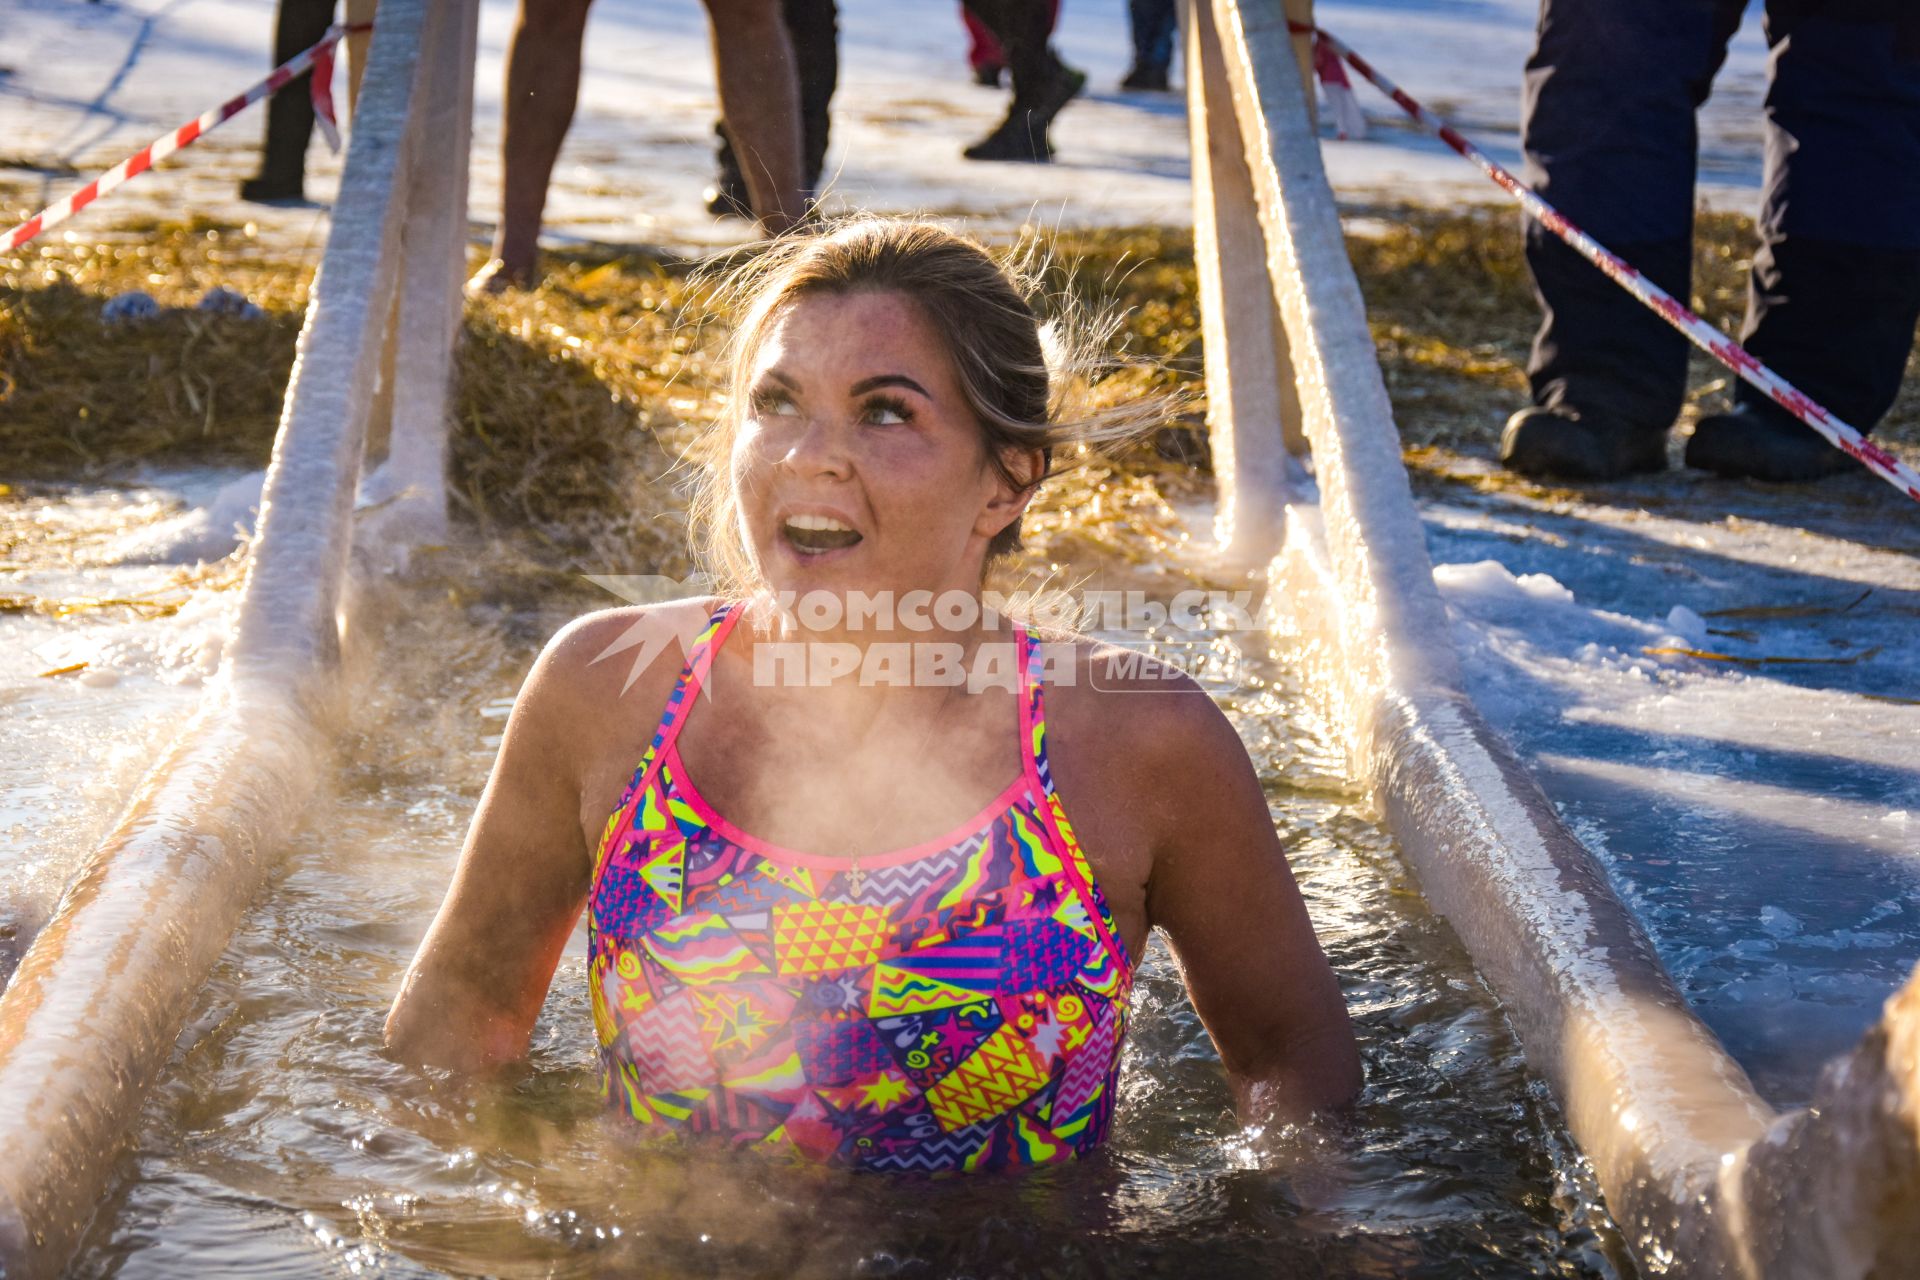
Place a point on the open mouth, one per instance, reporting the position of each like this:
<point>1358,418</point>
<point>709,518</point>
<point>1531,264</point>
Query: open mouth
<point>817,535</point>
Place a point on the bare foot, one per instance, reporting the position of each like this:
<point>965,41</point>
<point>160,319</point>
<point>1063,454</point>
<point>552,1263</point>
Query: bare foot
<point>496,278</point>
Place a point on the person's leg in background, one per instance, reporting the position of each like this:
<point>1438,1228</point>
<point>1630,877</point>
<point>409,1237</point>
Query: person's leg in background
<point>1610,138</point>
<point>543,83</point>
<point>1152,22</point>
<point>813,27</point>
<point>1835,288</point>
<point>984,54</point>
<point>1042,83</point>
<point>760,102</point>
<point>754,66</point>
<point>298,25</point>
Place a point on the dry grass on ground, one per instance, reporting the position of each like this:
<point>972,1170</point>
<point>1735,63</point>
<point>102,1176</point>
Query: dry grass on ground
<point>581,407</point>
<point>79,398</point>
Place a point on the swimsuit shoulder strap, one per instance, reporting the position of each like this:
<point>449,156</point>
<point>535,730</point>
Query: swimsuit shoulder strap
<point>692,675</point>
<point>1052,814</point>
<point>685,689</point>
<point>1033,707</point>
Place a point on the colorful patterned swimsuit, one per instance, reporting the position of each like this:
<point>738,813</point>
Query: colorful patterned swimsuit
<point>956,1005</point>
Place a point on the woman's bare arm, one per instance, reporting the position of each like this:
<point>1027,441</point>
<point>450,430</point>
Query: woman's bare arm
<point>1221,888</point>
<point>470,998</point>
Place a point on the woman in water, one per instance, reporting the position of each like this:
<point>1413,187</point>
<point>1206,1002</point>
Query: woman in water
<point>805,931</point>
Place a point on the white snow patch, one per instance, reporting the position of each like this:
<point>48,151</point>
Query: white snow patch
<point>1491,580</point>
<point>1687,624</point>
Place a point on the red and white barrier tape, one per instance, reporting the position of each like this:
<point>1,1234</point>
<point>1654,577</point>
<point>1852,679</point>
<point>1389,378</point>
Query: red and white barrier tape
<point>319,58</point>
<point>1709,339</point>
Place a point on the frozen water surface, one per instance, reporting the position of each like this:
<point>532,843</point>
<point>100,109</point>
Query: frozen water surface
<point>1757,808</point>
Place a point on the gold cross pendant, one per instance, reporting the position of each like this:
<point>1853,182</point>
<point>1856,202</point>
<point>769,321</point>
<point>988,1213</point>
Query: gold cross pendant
<point>856,879</point>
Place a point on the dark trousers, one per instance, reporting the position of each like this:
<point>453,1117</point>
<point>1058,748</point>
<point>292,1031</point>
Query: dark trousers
<point>1152,22</point>
<point>983,48</point>
<point>1023,28</point>
<point>814,27</point>
<point>1610,137</point>
<point>298,25</point>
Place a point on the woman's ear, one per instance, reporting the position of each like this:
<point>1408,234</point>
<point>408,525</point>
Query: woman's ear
<point>1006,504</point>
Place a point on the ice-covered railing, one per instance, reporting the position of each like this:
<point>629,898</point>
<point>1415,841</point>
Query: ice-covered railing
<point>98,1001</point>
<point>1700,1174</point>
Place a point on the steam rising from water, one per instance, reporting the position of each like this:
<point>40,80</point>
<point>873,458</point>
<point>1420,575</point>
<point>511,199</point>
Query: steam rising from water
<point>282,1142</point>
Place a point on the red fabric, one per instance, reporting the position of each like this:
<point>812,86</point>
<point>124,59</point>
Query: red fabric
<point>985,51</point>
<point>982,49</point>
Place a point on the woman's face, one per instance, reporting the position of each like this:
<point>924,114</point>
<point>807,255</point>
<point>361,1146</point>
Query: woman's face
<point>858,465</point>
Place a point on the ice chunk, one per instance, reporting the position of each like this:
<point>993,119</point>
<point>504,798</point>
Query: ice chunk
<point>1687,624</point>
<point>202,532</point>
<point>1778,922</point>
<point>1491,579</point>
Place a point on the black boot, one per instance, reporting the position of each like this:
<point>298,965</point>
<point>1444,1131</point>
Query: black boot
<point>1837,321</point>
<point>274,189</point>
<point>1598,350</point>
<point>283,159</point>
<point>1563,442</point>
<point>1763,443</point>
<point>1014,139</point>
<point>1608,377</point>
<point>1023,134</point>
<point>1145,77</point>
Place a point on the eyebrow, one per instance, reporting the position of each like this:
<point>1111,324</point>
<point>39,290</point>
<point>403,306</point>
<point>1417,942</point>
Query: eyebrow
<point>865,385</point>
<point>859,388</point>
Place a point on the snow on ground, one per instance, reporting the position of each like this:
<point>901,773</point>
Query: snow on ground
<point>1764,818</point>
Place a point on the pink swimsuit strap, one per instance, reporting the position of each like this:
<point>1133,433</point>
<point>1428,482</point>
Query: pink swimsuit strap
<point>956,1004</point>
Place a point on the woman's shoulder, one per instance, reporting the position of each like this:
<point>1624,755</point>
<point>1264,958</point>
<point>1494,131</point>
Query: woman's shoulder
<point>623,651</point>
<point>1140,707</point>
<point>1139,741</point>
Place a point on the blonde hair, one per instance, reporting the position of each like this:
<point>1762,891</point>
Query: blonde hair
<point>1024,381</point>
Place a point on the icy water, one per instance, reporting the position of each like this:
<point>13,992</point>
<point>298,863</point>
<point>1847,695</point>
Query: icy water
<point>281,1142</point>
<point>107,630</point>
